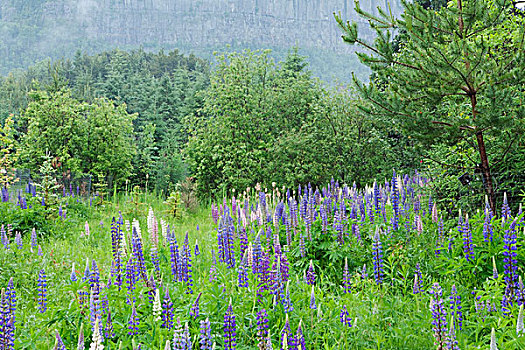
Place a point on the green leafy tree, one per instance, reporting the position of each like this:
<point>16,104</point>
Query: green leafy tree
<point>459,76</point>
<point>8,154</point>
<point>86,138</point>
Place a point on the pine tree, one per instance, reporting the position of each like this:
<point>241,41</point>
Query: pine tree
<point>459,75</point>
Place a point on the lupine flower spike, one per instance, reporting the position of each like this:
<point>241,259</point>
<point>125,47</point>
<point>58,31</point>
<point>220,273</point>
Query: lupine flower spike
<point>230,330</point>
<point>346,278</point>
<point>310,274</point>
<point>439,315</point>
<point>520,328</point>
<point>59,344</point>
<point>313,306</point>
<point>42,291</point>
<point>96,340</point>
<point>378,257</point>
<point>493,344</point>
<point>452,343</point>
<point>205,335</point>
<point>80,344</point>
<point>157,309</point>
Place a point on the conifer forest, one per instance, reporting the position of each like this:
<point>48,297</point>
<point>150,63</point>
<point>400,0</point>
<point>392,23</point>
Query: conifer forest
<point>262,174</point>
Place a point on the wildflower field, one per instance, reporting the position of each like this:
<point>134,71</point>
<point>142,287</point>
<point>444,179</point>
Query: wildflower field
<point>336,267</point>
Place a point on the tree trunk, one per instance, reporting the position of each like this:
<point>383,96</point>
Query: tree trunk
<point>485,170</point>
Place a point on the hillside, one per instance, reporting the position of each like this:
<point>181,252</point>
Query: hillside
<point>34,30</point>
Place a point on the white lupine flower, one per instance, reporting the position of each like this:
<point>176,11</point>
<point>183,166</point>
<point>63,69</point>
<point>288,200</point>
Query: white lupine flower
<point>123,245</point>
<point>96,341</point>
<point>493,345</point>
<point>136,225</point>
<point>157,309</point>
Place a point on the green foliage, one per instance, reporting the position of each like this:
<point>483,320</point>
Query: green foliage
<point>86,138</point>
<point>8,155</point>
<point>458,76</point>
<point>272,123</point>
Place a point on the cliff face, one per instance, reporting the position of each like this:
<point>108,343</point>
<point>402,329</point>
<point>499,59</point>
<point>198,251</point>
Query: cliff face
<point>45,28</point>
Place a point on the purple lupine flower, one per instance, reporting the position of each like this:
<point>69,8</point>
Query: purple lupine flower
<point>377,199</point>
<point>194,311</point>
<point>243,238</point>
<point>39,252</point>
<point>310,274</point>
<point>18,240</point>
<point>264,275</point>
<point>175,258</point>
<point>416,288</point>
<point>197,251</point>
<point>186,265</point>
<point>94,277</point>
<point>59,342</point>
<point>418,280</point>
<point>378,258</point>
<point>178,337</point>
<point>286,301</point>
<point>488,231</point>
<point>455,307</point>
<point>6,324</point>
<point>286,333</point>
<point>439,315</point>
<point>214,213</point>
<point>130,279</point>
<point>347,287</point>
<point>11,299</point>
<point>155,259</point>
<point>80,344</point>
<point>520,293</point>
<point>505,210</point>
<point>243,274</point>
<point>136,243</point>
<point>167,311</point>
<point>4,239</point>
<point>133,322</point>
<point>395,202</point>
<point>301,244</point>
<point>345,318</point>
<point>257,253</point>
<point>33,239</point>
<point>94,306</point>
<point>364,273</point>
<point>468,248</point>
<point>262,325</point>
<point>205,338</point>
<point>42,291</point>
<point>230,331</point>
<point>299,337</point>
<point>510,262</point>
<point>313,306</point>
<point>285,268</point>
<point>494,269</point>
<point>108,329</point>
<point>152,286</point>
<point>451,341</point>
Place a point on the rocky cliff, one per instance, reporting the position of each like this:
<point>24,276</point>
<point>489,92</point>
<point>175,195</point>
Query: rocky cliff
<point>35,29</point>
